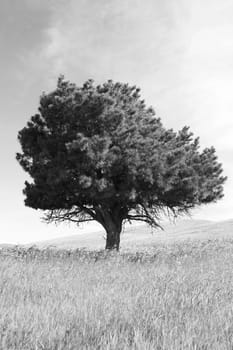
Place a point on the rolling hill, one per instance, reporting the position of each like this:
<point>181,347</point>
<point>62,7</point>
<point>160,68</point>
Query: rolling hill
<point>143,236</point>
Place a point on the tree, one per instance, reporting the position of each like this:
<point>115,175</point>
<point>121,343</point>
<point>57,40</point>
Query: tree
<point>98,153</point>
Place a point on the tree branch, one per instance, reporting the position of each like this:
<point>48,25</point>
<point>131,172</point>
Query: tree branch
<point>61,215</point>
<point>145,218</point>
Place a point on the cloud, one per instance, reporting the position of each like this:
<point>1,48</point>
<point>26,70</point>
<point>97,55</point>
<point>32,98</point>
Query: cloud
<point>22,26</point>
<point>108,39</point>
<point>23,35</point>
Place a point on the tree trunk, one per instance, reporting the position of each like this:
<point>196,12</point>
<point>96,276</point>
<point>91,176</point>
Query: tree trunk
<point>111,219</point>
<point>113,231</point>
<point>113,239</point>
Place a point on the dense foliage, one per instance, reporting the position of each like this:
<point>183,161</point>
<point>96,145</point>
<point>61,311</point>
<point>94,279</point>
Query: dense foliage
<point>98,153</point>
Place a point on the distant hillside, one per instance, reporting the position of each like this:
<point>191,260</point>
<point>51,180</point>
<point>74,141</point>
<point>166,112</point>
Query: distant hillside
<point>6,245</point>
<point>141,236</point>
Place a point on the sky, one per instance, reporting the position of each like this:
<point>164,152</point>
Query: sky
<point>179,52</point>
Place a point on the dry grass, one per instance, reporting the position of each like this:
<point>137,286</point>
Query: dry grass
<point>169,297</point>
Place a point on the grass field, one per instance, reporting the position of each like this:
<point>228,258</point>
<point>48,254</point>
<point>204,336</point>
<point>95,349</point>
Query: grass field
<point>169,296</point>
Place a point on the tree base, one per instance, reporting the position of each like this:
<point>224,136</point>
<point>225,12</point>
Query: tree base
<point>113,241</point>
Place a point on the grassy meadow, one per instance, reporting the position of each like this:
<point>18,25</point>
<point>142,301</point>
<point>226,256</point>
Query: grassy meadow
<point>167,296</point>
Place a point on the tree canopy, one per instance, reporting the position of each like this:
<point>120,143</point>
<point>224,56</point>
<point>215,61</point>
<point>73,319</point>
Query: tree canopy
<point>98,153</point>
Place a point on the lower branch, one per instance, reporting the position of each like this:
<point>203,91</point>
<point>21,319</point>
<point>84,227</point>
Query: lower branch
<point>62,215</point>
<point>144,218</point>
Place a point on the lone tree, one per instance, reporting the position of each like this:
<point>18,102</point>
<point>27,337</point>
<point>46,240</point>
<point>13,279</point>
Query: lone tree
<point>98,153</point>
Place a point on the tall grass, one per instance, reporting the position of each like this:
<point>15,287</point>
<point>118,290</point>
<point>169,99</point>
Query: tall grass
<point>170,297</point>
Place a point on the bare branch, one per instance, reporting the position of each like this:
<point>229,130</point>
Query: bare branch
<point>76,215</point>
<point>143,215</point>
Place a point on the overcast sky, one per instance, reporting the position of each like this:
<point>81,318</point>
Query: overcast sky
<point>179,52</point>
